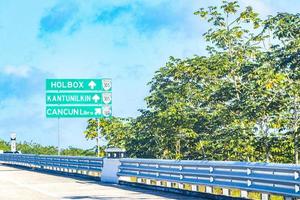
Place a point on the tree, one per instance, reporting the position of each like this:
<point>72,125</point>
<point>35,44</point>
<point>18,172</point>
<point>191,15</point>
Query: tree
<point>257,84</point>
<point>4,145</point>
<point>285,56</point>
<point>113,130</point>
<point>240,102</point>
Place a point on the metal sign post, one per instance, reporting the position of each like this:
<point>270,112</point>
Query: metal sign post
<point>98,137</point>
<point>79,98</point>
<point>58,136</point>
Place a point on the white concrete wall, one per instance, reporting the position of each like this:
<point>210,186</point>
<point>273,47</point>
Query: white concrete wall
<point>110,170</point>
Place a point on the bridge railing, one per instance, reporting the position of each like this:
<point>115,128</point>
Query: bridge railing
<point>73,164</point>
<point>282,179</point>
<point>265,178</point>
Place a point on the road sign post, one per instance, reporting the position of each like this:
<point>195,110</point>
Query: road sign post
<point>58,137</point>
<point>79,98</point>
<point>98,136</point>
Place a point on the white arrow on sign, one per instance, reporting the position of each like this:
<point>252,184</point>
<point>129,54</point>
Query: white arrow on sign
<point>96,98</point>
<point>92,85</point>
<point>97,111</point>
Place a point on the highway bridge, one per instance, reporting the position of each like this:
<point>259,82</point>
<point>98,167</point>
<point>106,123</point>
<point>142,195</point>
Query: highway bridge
<point>27,184</point>
<point>65,177</point>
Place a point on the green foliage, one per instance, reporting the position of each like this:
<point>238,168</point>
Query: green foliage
<point>114,130</point>
<point>34,148</point>
<point>241,102</point>
<point>4,145</point>
<point>73,151</point>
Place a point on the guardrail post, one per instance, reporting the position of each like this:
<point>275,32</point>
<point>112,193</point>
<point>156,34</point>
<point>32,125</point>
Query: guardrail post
<point>158,183</point>
<point>244,194</point>
<point>169,184</point>
<point>180,186</point>
<point>148,181</point>
<point>208,189</point>
<point>225,191</point>
<point>264,196</point>
<point>297,188</point>
<point>194,188</point>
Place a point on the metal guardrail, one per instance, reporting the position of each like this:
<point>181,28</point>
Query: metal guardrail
<point>54,162</point>
<point>281,179</point>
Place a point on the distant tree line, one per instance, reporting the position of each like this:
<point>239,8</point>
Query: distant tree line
<point>34,148</point>
<point>241,101</point>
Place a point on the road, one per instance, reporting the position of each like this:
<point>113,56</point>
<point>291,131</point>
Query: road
<point>16,183</point>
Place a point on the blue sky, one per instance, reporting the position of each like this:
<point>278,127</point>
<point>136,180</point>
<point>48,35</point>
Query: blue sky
<point>127,40</point>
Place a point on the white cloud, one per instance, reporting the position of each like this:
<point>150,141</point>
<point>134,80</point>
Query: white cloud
<point>19,71</point>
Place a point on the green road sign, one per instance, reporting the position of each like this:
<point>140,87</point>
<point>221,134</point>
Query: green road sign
<point>100,111</point>
<point>79,84</point>
<point>78,98</point>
